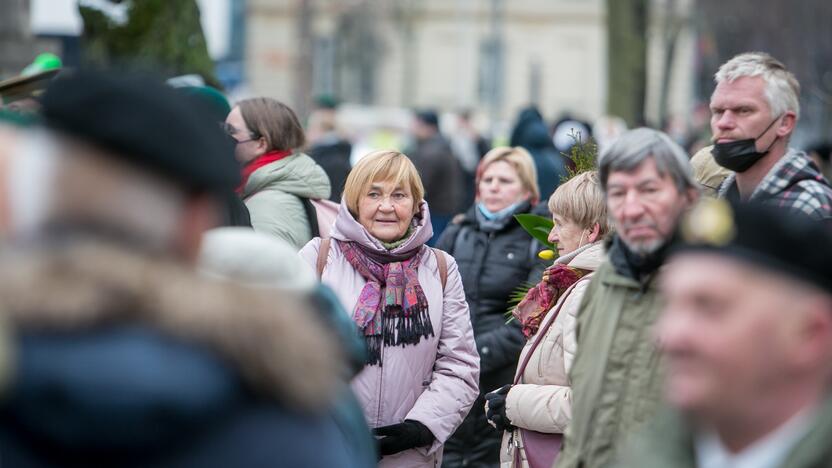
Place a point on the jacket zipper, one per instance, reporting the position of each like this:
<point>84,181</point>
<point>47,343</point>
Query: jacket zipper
<point>488,242</point>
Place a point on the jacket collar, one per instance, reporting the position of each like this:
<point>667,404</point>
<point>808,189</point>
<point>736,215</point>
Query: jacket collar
<point>793,167</point>
<point>630,270</point>
<point>257,163</point>
<point>588,257</point>
<point>669,441</point>
<point>83,285</point>
<point>297,174</point>
<point>348,229</point>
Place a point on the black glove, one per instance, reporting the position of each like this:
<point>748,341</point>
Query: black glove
<point>496,408</point>
<point>404,436</point>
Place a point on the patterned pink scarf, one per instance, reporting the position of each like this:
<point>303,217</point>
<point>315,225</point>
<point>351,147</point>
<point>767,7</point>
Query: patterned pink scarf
<point>540,299</point>
<point>392,309</point>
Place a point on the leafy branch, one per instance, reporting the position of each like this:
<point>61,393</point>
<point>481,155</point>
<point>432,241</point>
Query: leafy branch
<point>583,153</point>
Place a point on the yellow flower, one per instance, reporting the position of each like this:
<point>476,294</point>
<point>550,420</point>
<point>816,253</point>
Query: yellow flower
<point>547,254</point>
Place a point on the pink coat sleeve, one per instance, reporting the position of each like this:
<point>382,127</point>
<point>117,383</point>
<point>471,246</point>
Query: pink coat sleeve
<point>455,381</point>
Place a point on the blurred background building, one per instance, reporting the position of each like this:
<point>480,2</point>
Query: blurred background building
<point>646,61</point>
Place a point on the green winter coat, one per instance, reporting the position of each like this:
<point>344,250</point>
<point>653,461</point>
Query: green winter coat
<point>272,197</point>
<point>616,382</point>
<point>668,441</point>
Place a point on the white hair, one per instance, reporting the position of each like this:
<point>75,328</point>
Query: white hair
<point>635,146</point>
<point>782,89</point>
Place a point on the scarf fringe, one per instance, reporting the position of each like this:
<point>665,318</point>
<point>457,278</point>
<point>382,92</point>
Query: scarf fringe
<point>399,328</point>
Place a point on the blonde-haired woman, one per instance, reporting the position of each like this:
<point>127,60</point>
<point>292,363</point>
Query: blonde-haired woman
<point>535,412</point>
<point>495,257</point>
<point>407,300</point>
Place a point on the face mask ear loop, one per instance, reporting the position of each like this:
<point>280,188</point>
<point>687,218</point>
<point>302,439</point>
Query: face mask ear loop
<point>766,130</point>
<point>581,240</point>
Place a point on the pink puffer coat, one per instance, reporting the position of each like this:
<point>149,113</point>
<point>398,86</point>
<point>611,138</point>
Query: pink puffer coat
<point>435,381</point>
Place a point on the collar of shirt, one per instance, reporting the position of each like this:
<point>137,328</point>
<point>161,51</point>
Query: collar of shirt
<point>768,452</point>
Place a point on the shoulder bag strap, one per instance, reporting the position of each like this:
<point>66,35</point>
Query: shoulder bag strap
<point>541,333</point>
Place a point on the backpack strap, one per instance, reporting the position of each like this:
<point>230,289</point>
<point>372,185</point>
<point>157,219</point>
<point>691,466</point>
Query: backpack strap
<point>311,216</point>
<point>442,263</point>
<point>323,254</point>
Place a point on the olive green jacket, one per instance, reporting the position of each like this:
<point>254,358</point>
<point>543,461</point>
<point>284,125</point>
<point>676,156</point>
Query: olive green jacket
<point>668,441</point>
<point>273,197</point>
<point>616,383</point>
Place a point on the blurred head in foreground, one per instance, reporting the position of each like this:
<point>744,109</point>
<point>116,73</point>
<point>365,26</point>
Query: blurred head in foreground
<point>747,329</point>
<point>121,157</point>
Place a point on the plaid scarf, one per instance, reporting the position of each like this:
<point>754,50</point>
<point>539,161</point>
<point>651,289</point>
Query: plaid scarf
<point>392,309</point>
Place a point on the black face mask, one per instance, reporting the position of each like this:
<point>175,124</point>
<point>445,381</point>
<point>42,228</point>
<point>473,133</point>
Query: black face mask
<point>740,155</point>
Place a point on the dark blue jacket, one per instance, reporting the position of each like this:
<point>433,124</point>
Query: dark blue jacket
<point>130,396</point>
<point>530,133</point>
<point>120,360</point>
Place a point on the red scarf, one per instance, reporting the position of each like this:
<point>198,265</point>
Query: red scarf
<point>258,162</point>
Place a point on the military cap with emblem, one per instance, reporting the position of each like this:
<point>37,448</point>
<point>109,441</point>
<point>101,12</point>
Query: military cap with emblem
<point>776,239</point>
<point>145,122</point>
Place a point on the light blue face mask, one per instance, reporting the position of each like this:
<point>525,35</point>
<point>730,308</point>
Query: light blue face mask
<point>500,214</point>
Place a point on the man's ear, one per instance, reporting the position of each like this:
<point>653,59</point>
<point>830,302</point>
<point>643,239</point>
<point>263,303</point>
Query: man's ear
<point>787,123</point>
<point>812,339</point>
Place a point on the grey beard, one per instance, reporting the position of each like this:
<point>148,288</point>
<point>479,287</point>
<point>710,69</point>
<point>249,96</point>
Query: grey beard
<point>644,249</point>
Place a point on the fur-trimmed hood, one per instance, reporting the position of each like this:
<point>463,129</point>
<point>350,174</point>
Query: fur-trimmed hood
<point>269,339</point>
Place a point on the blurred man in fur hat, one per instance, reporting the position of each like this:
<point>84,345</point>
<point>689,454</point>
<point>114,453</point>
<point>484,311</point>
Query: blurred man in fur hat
<point>747,337</point>
<point>120,353</point>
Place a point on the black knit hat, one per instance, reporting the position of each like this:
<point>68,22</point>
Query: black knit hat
<point>144,122</point>
<point>783,241</point>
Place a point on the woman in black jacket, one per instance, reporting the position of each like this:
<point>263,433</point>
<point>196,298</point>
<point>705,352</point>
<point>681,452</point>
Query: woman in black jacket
<point>495,256</point>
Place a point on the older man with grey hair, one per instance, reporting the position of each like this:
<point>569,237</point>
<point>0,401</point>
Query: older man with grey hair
<point>754,110</point>
<point>648,184</point>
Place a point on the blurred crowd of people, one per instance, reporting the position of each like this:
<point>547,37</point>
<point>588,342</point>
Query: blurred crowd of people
<point>191,282</point>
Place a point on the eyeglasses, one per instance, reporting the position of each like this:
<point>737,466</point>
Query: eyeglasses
<point>232,131</point>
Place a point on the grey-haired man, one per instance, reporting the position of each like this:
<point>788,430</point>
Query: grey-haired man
<point>616,384</point>
<point>754,110</point>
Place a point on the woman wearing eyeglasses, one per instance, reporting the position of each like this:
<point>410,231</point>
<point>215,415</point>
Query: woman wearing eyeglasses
<point>276,177</point>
